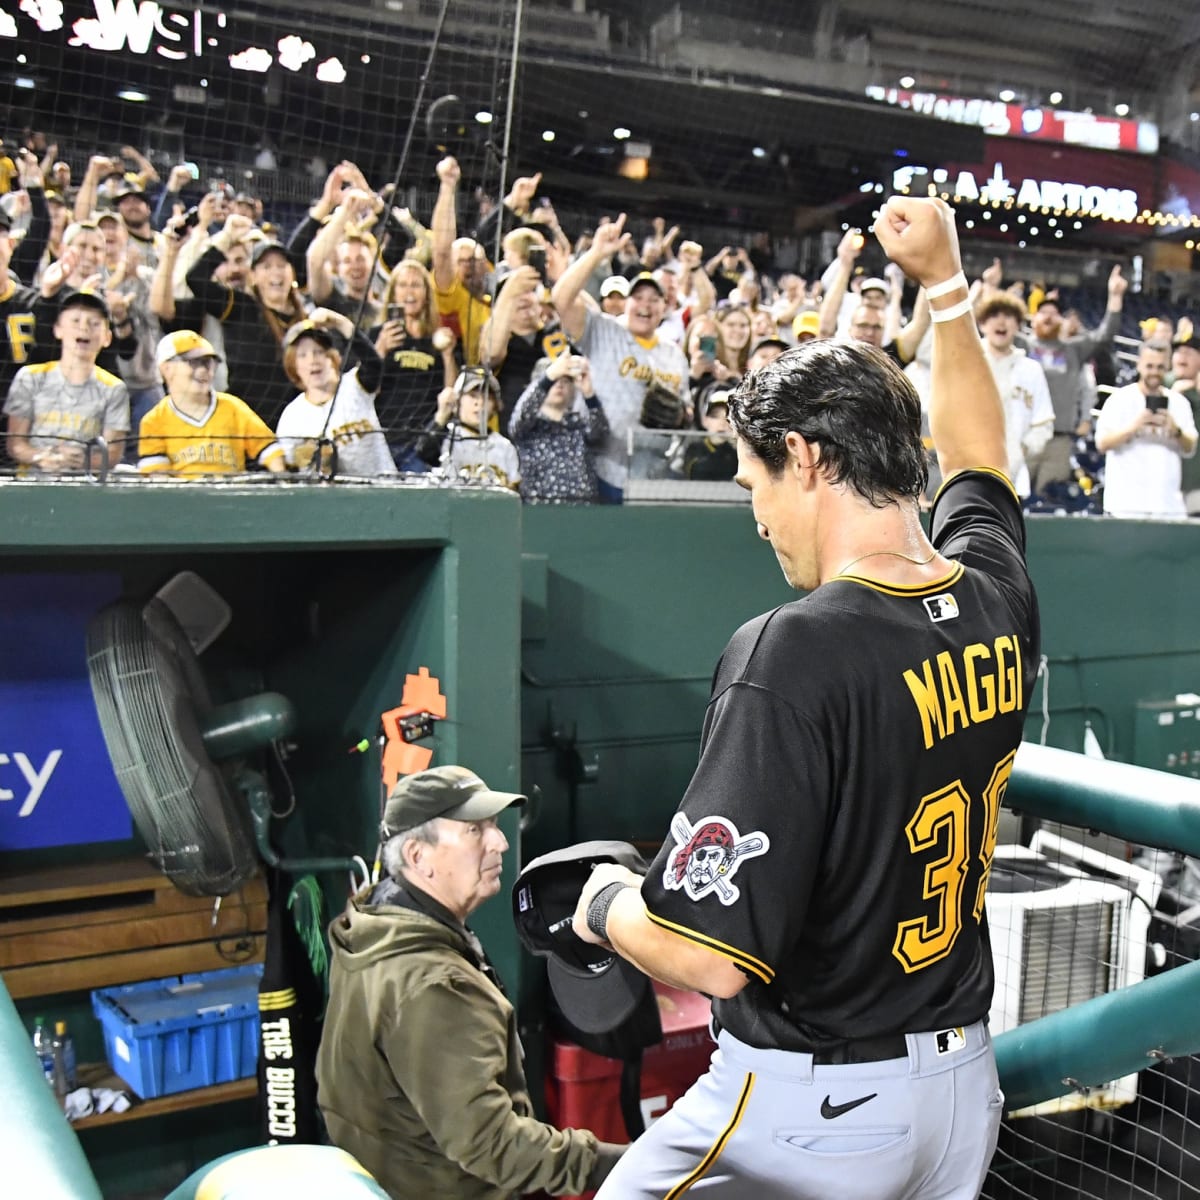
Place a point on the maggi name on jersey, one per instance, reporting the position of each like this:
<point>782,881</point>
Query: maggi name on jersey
<point>960,688</point>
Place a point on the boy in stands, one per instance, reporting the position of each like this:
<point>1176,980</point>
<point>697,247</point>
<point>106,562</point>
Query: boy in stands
<point>57,409</point>
<point>194,429</point>
<point>335,408</point>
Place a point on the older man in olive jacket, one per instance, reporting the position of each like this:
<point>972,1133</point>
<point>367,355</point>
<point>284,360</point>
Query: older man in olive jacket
<point>419,1071</point>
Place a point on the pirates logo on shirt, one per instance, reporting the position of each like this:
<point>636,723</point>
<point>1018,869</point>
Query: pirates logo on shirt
<point>707,856</point>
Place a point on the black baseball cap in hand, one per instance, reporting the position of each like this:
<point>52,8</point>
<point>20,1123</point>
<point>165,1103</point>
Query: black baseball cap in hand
<point>596,988</point>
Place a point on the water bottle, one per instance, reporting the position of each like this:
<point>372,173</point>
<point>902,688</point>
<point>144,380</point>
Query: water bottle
<point>44,1048</point>
<point>64,1060</point>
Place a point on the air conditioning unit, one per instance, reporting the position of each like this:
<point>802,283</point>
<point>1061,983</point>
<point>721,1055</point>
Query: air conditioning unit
<point>1067,923</point>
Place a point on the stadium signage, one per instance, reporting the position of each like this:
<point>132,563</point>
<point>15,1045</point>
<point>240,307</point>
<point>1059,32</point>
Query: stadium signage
<point>1108,203</point>
<point>1017,120</point>
<point>145,27</point>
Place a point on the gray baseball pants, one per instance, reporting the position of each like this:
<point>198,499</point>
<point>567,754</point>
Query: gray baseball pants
<point>768,1124</point>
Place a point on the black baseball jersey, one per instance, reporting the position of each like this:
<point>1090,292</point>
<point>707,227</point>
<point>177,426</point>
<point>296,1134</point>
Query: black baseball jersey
<point>18,312</point>
<point>836,838</point>
<point>524,353</point>
<point>413,375</point>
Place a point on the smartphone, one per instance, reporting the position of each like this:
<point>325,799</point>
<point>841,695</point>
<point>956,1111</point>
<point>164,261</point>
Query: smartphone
<point>193,170</point>
<point>708,344</point>
<point>1156,403</point>
<point>537,260</point>
<point>395,312</point>
<point>191,218</point>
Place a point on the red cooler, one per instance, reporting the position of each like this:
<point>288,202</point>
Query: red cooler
<point>582,1089</point>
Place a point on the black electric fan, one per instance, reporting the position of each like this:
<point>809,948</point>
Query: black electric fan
<point>184,764</point>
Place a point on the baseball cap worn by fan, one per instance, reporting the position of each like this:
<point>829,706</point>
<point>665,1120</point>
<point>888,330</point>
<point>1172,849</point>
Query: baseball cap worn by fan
<point>645,279</point>
<point>85,298</point>
<point>807,324</point>
<point>714,396</point>
<point>595,988</point>
<point>310,329</point>
<point>472,379</point>
<point>130,188</point>
<point>183,343</point>
<point>769,341</point>
<point>614,283</point>
<point>875,285</point>
<point>450,791</point>
<point>265,247</point>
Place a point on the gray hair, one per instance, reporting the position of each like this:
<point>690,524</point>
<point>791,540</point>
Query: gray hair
<point>428,832</point>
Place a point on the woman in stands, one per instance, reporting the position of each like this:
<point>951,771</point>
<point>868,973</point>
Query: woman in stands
<point>735,333</point>
<point>418,361</point>
<point>253,322</point>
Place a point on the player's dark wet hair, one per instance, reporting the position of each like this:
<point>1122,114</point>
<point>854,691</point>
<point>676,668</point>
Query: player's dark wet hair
<point>853,402</point>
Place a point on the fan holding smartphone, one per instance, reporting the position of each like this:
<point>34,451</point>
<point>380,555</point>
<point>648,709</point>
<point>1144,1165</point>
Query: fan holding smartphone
<point>1145,432</point>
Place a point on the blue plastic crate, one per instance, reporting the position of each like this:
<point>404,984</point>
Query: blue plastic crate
<point>188,1031</point>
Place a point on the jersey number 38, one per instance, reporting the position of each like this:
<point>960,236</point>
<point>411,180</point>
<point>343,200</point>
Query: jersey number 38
<point>942,822</point>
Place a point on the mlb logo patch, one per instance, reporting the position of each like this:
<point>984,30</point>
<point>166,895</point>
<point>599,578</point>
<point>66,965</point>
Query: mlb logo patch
<point>941,608</point>
<point>950,1040</point>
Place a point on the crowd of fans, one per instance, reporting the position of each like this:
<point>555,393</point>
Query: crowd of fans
<point>167,328</point>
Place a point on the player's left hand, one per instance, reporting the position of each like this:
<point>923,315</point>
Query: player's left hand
<point>917,233</point>
<point>602,875</point>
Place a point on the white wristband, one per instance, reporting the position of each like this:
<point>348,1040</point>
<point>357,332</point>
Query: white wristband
<point>939,316</point>
<point>950,285</point>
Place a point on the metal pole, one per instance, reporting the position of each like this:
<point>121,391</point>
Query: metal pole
<point>518,15</point>
<point>502,188</point>
<point>1152,808</point>
<point>1098,1040</point>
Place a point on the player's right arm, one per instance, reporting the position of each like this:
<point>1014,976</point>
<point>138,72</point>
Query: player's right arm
<point>966,417</point>
<point>657,952</point>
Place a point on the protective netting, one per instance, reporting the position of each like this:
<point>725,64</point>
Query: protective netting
<point>745,142</point>
<point>766,129</point>
<point>1074,916</point>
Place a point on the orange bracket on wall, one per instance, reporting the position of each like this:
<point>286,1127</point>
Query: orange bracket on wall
<point>422,697</point>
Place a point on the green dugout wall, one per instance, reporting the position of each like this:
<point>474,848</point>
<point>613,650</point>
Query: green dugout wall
<point>575,649</point>
<point>625,614</point>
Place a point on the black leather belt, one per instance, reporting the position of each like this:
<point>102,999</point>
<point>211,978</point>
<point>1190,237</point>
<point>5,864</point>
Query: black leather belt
<point>862,1050</point>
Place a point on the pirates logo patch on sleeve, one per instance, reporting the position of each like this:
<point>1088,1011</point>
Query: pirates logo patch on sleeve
<point>707,856</point>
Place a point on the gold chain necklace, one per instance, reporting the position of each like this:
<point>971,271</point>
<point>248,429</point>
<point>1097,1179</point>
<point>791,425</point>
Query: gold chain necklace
<point>917,562</point>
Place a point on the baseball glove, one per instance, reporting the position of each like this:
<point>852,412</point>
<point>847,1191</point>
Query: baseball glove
<point>661,408</point>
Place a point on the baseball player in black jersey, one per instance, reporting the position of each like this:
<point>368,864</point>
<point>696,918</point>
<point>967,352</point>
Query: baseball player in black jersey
<point>824,876</point>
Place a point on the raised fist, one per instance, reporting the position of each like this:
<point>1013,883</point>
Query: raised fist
<point>918,234</point>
